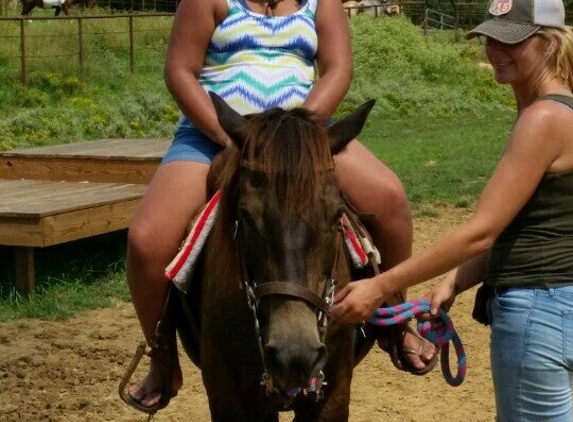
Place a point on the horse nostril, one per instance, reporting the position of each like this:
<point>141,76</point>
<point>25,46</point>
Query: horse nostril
<point>272,358</point>
<point>292,368</point>
<point>320,362</point>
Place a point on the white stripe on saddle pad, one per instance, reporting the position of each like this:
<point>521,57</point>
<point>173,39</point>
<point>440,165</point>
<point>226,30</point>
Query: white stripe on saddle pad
<point>181,268</point>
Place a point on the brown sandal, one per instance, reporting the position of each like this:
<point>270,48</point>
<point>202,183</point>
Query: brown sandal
<point>163,351</point>
<point>391,340</point>
<point>407,365</point>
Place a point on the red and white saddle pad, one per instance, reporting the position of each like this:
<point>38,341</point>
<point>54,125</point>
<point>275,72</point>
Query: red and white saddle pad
<point>181,268</point>
<point>362,251</point>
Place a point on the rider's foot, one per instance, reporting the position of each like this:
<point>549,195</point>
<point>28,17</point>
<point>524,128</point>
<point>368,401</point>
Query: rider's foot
<point>418,352</point>
<point>409,351</point>
<point>147,395</point>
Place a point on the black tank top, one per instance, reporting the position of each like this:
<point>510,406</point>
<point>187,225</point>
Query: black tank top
<point>536,249</point>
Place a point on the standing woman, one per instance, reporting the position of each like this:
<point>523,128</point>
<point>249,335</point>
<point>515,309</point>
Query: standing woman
<point>255,54</point>
<point>519,241</point>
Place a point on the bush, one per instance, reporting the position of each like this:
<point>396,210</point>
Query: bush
<point>410,73</point>
<point>407,72</point>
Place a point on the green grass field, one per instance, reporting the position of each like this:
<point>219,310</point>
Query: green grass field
<point>440,122</point>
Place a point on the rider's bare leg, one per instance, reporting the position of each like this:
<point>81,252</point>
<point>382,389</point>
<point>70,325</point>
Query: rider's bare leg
<point>175,194</point>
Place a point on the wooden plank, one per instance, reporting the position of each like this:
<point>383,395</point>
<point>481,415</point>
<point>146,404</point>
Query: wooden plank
<point>100,148</point>
<point>39,213</point>
<point>21,232</point>
<point>88,222</point>
<point>78,170</point>
<point>53,230</point>
<point>105,161</point>
<point>41,198</point>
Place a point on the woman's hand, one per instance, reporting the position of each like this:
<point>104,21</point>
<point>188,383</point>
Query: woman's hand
<point>442,295</point>
<point>357,301</point>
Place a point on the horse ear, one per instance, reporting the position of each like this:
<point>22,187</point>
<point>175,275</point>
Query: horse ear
<point>229,119</point>
<point>345,130</point>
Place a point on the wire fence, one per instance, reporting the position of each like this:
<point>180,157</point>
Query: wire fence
<point>77,44</point>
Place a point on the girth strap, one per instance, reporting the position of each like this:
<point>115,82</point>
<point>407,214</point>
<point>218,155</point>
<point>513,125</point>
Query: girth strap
<point>291,289</point>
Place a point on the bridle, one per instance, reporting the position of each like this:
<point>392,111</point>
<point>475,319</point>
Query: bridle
<point>257,289</point>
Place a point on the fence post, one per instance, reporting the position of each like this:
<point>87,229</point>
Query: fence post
<point>425,22</point>
<point>131,46</point>
<point>81,44</point>
<point>22,52</point>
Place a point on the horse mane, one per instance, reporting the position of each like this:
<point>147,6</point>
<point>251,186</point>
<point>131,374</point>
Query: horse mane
<point>292,150</point>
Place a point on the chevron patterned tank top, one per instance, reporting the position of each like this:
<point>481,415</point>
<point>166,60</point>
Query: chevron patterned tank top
<point>255,62</point>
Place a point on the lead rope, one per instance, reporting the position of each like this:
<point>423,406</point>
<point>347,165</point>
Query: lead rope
<point>442,336</point>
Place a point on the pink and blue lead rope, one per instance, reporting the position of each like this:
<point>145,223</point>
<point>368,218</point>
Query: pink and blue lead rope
<point>442,336</point>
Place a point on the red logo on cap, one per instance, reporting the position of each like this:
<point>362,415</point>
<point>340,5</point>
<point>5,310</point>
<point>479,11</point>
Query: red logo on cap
<point>500,7</point>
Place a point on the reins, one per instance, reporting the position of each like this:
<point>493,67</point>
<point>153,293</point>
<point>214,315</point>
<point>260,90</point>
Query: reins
<point>405,311</point>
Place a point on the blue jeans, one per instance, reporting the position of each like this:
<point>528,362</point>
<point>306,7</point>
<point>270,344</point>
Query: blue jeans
<point>532,354</point>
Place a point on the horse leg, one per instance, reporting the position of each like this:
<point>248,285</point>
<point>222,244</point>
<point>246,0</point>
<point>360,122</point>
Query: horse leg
<point>26,9</point>
<point>65,7</point>
<point>58,10</point>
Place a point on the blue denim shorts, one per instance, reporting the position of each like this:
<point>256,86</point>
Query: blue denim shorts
<point>190,144</point>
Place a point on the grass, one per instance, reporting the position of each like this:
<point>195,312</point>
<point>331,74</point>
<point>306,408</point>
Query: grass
<point>440,160</point>
<point>440,122</point>
<point>84,274</point>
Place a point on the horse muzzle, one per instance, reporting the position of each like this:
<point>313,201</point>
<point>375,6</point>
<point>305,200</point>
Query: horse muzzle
<point>294,366</point>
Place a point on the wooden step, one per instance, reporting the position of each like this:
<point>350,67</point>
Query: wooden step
<point>103,160</point>
<point>55,194</point>
<point>40,213</point>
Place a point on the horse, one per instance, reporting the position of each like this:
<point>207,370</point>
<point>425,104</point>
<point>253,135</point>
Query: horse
<point>58,5</point>
<point>373,7</point>
<point>254,317</point>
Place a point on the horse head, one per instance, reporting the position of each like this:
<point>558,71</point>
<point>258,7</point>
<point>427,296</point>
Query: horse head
<point>287,208</point>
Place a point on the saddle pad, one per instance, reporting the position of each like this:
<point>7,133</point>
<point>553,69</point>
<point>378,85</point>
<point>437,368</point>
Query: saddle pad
<point>181,268</point>
<point>360,248</point>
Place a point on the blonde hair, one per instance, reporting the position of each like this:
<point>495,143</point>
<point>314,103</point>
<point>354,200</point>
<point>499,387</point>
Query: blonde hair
<point>561,61</point>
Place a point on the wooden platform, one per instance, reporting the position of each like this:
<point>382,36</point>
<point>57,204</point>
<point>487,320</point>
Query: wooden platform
<point>52,195</point>
<point>104,160</point>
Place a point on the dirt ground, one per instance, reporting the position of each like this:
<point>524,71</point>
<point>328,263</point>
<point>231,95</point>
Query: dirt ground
<point>70,370</point>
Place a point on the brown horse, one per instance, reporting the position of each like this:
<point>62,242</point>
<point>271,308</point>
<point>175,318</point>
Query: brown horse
<point>256,311</point>
<point>58,5</point>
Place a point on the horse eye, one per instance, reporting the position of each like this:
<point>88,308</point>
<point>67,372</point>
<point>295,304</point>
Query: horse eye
<point>247,218</point>
<point>258,180</point>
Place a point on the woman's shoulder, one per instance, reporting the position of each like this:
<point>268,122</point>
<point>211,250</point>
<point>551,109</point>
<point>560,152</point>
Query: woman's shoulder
<point>549,109</point>
<point>544,122</point>
<point>199,9</point>
<point>549,122</point>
